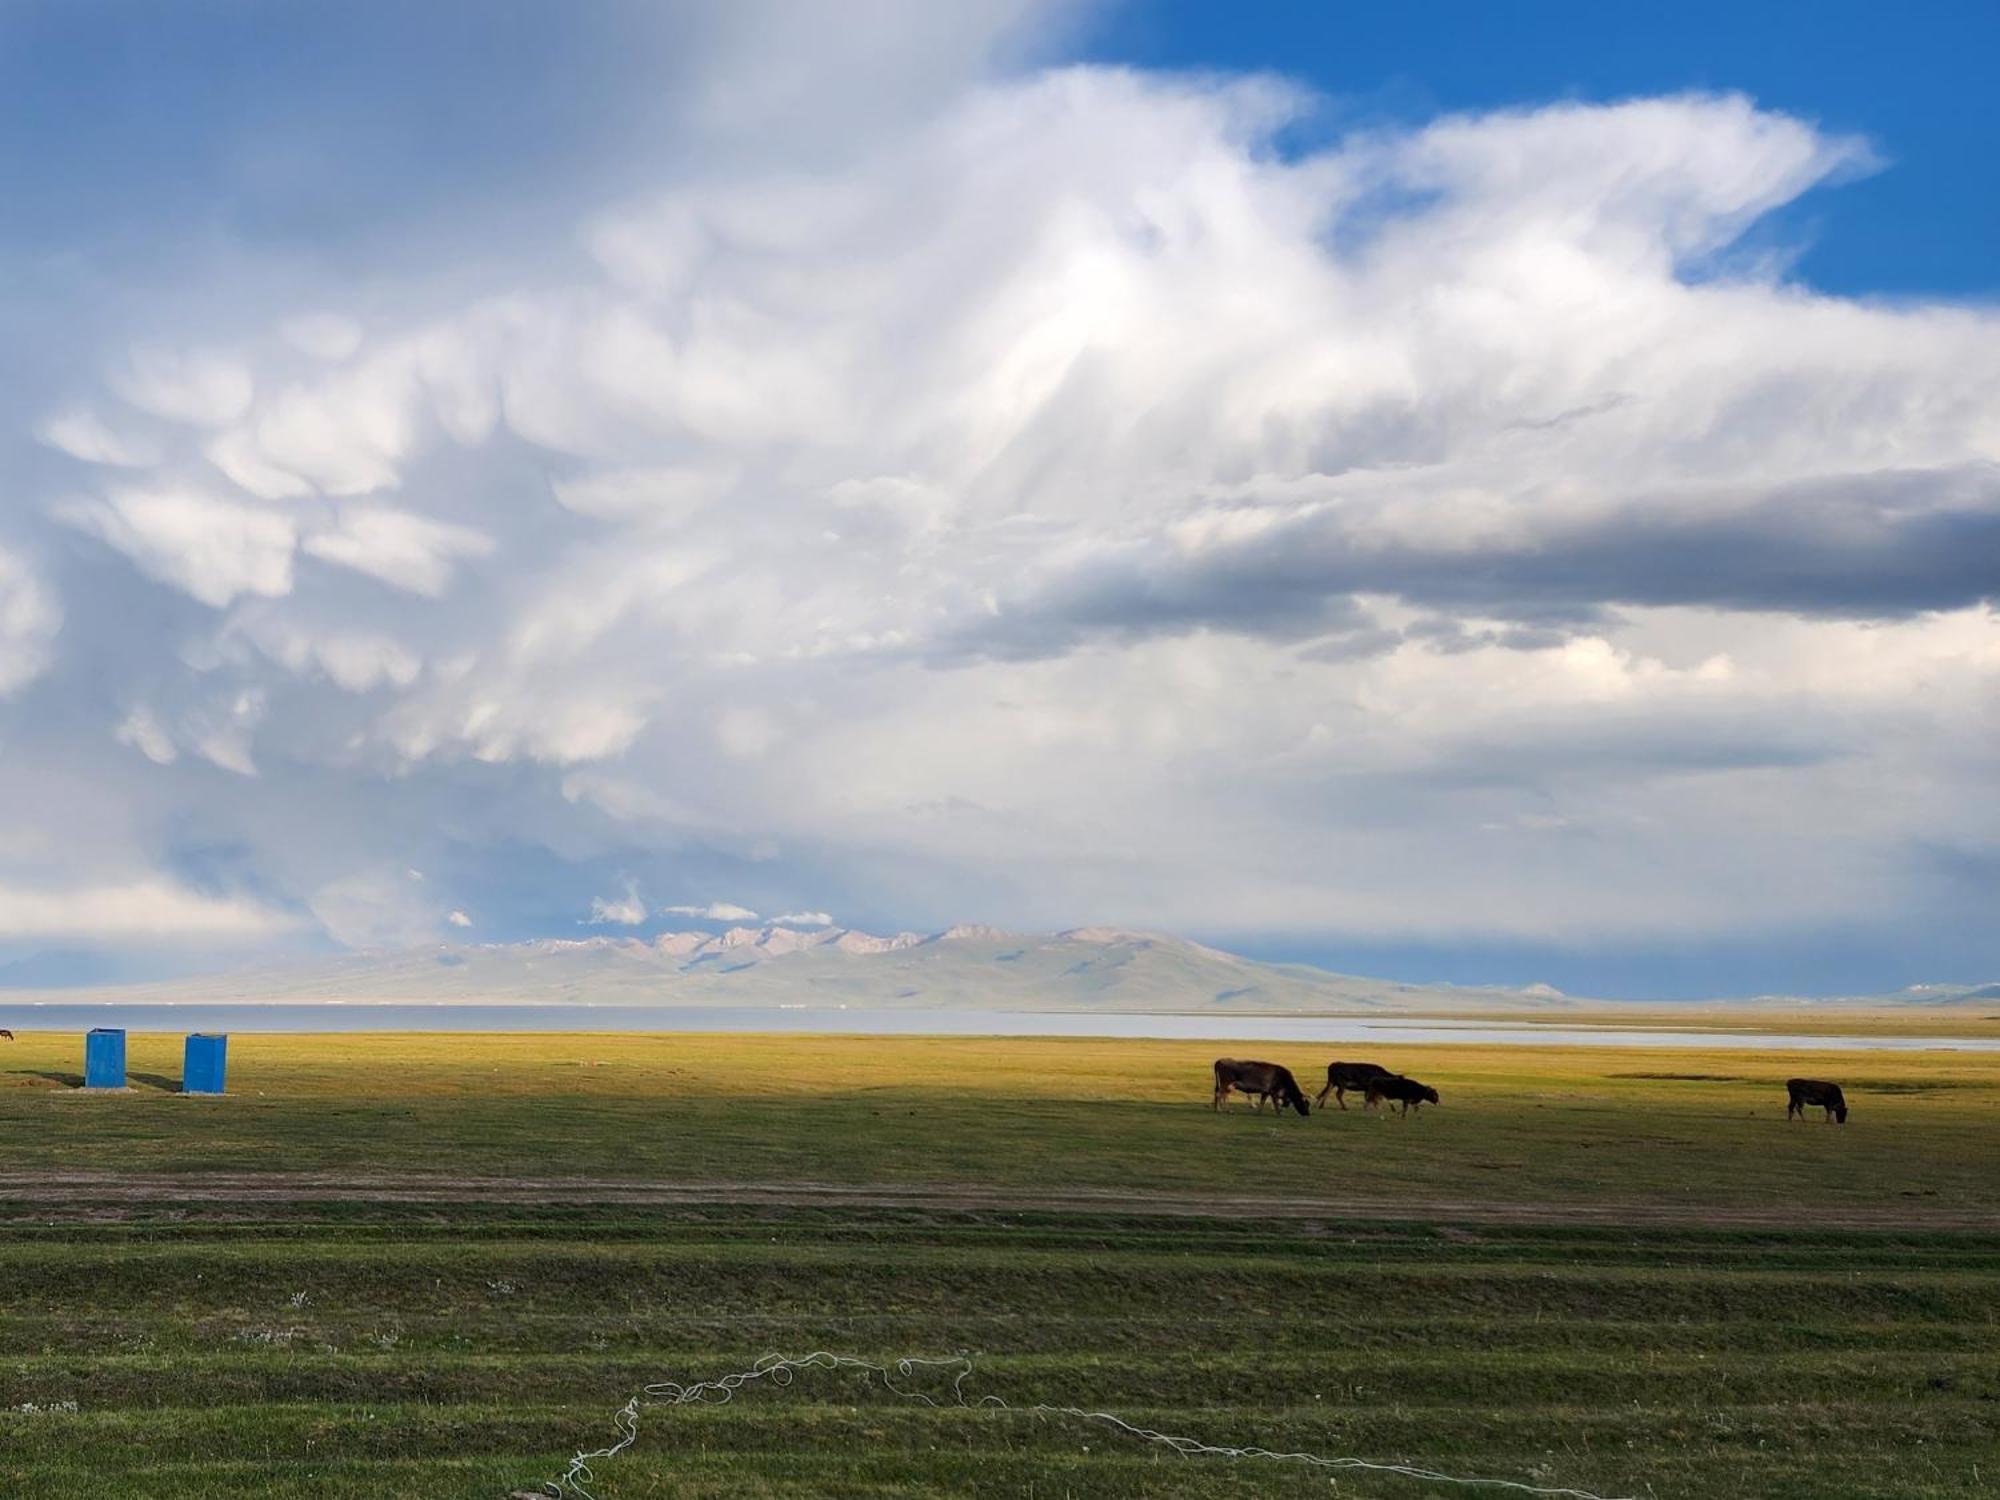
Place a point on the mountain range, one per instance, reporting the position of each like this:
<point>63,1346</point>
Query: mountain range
<point>967,966</point>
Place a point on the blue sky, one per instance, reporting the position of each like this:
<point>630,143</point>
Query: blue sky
<point>1913,78</point>
<point>123,120</point>
<point>1498,493</point>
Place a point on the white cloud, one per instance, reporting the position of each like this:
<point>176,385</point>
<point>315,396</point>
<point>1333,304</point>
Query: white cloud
<point>328,336</point>
<point>245,465</point>
<point>715,911</point>
<point>804,919</point>
<point>29,620</point>
<point>372,909</point>
<point>458,918</point>
<point>82,434</point>
<point>356,661</point>
<point>1047,499</point>
<point>746,733</point>
<point>625,911</point>
<point>199,388</point>
<point>405,550</point>
<point>221,732</point>
<point>663,497</point>
<point>484,714</point>
<point>142,730</point>
<point>347,432</point>
<point>211,548</point>
<point>151,908</point>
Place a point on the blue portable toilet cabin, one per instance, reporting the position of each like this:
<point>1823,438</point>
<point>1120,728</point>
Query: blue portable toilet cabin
<point>104,1059</point>
<point>202,1063</point>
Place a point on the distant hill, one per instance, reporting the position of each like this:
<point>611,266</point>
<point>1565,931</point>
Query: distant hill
<point>1087,968</point>
<point>969,967</point>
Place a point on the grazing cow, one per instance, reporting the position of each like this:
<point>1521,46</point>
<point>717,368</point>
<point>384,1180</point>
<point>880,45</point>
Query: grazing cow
<point>4,1032</point>
<point>1342,1076</point>
<point>1400,1090</point>
<point>1260,1080</point>
<point>1802,1093</point>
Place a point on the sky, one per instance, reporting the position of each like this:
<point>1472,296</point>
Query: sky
<point>1447,491</point>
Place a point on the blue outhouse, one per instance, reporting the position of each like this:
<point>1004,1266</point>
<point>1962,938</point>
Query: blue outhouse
<point>104,1059</point>
<point>202,1063</point>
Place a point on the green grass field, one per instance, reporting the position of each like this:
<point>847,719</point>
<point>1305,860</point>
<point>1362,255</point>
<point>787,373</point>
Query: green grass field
<point>1576,1272</point>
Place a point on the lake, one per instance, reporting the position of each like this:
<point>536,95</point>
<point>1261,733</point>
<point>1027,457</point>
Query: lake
<point>391,1016</point>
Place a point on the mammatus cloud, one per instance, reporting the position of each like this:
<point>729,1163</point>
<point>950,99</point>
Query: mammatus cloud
<point>83,435</point>
<point>208,546</point>
<point>1066,504</point>
<point>144,733</point>
<point>406,551</point>
<point>192,387</point>
<point>29,620</point>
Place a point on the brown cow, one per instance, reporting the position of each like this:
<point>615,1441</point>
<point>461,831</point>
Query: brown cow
<point>1802,1093</point>
<point>1400,1090</point>
<point>1342,1076</point>
<point>1261,1081</point>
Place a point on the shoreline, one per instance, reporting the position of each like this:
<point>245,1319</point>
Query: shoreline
<point>1932,1032</point>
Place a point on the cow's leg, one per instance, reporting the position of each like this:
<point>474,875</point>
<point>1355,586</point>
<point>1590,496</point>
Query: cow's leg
<point>1221,1092</point>
<point>1340,1097</point>
<point>1319,1099</point>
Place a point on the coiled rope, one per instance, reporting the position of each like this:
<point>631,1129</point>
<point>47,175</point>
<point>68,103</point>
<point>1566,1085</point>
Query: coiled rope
<point>781,1370</point>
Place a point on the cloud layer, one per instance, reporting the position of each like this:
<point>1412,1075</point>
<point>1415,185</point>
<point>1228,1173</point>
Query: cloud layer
<point>1058,503</point>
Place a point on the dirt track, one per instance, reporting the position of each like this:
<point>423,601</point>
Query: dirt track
<point>36,1190</point>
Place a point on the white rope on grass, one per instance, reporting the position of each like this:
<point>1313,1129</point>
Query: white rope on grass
<point>781,1370</point>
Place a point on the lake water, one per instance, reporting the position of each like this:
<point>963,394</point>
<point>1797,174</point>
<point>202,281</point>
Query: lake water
<point>357,1016</point>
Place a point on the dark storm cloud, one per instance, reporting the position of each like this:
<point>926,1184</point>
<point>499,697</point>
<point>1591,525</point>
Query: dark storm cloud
<point>1865,546</point>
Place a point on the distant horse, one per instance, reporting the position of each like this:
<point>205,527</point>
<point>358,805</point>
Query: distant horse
<point>1342,1076</point>
<point>1400,1090</point>
<point>1261,1081</point>
<point>1802,1093</point>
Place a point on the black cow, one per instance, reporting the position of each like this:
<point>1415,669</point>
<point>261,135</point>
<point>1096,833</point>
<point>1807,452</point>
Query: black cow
<point>1342,1076</point>
<point>1400,1090</point>
<point>6,1033</point>
<point>1803,1093</point>
<point>1261,1081</point>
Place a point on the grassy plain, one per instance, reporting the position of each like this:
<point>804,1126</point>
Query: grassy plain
<point>1612,1268</point>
